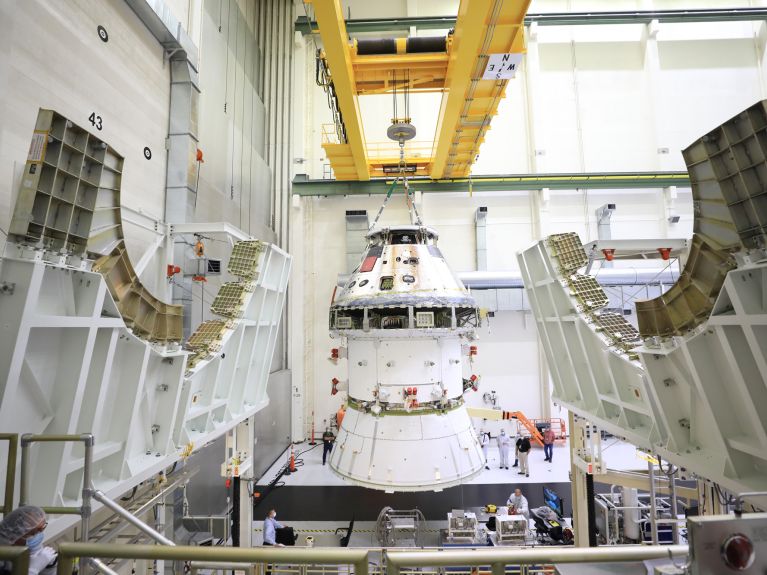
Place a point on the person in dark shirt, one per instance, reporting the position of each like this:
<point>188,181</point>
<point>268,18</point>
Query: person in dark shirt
<point>327,443</point>
<point>523,446</point>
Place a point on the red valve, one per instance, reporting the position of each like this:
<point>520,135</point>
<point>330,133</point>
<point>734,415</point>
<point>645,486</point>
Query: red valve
<point>473,378</point>
<point>473,350</point>
<point>199,156</point>
<point>738,552</point>
<point>200,279</point>
<point>609,254</point>
<point>665,253</point>
<point>173,270</point>
<point>334,353</point>
<point>335,383</point>
<point>228,483</point>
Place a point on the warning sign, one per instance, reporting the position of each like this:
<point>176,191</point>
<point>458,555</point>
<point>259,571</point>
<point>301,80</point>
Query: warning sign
<point>37,147</point>
<point>502,66</point>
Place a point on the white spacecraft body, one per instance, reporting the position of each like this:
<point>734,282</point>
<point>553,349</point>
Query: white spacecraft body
<point>407,320</point>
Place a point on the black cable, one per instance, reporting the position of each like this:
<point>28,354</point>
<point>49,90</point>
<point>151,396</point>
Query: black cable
<point>129,497</point>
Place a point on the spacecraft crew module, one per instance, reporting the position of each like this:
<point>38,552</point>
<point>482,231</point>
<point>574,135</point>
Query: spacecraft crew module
<point>407,321</point>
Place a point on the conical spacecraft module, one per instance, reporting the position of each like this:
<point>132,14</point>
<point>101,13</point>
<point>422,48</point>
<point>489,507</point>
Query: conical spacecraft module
<point>405,322</point>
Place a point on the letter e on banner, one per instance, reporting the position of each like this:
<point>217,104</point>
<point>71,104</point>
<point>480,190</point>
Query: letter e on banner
<point>502,66</point>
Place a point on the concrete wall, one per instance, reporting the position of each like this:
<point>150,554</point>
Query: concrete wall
<point>589,98</point>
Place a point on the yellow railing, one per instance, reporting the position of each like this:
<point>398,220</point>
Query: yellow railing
<point>359,561</point>
<point>204,557</point>
<point>498,559</point>
<point>329,134</point>
<point>413,149</point>
<point>385,149</point>
<point>10,470</point>
<point>18,556</point>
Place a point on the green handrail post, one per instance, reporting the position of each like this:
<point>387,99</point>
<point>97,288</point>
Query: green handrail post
<point>18,555</point>
<point>10,470</point>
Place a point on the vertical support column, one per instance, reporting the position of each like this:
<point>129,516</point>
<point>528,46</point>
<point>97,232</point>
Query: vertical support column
<point>653,503</point>
<point>236,507</point>
<point>669,217</point>
<point>535,133</point>
<point>159,565</point>
<point>180,187</point>
<point>357,223</point>
<point>579,487</point>
<point>674,506</point>
<point>297,357</point>
<point>181,178</point>
<point>480,228</point>
<point>592,521</point>
<point>245,442</point>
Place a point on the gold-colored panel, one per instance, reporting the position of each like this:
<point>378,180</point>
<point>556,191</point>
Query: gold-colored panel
<point>587,291</point>
<point>568,250</point>
<point>229,300</point>
<point>243,261</point>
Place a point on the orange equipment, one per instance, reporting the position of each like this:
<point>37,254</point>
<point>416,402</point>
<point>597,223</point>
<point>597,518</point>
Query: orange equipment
<point>340,415</point>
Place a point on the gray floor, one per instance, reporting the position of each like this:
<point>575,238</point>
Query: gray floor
<point>618,455</point>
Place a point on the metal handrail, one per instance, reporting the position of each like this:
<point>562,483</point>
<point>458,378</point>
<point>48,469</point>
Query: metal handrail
<point>130,518</point>
<point>10,470</point>
<point>499,558</point>
<point>18,556</point>
<point>84,511</point>
<point>397,562</point>
<point>316,556</point>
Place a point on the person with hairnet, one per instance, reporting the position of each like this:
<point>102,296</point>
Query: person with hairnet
<point>25,526</point>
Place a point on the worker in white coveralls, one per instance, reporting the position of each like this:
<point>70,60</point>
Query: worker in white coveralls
<point>504,444</point>
<point>518,504</point>
<point>484,442</point>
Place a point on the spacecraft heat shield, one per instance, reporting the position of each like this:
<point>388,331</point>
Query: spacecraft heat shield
<point>409,452</point>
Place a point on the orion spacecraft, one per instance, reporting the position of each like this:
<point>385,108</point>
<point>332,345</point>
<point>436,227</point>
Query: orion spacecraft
<point>407,322</point>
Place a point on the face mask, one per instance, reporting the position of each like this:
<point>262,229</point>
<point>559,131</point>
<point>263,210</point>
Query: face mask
<point>35,542</point>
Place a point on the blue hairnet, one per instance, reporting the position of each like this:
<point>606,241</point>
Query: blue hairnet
<point>19,522</point>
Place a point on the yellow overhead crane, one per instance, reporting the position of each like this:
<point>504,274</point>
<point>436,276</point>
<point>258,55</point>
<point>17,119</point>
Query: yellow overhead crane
<point>459,66</point>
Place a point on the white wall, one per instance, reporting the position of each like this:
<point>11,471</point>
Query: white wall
<point>51,57</point>
<point>590,98</point>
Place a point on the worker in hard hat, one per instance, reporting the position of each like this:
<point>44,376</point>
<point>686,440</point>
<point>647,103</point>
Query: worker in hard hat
<point>484,442</point>
<point>504,443</point>
<point>518,504</point>
<point>26,526</point>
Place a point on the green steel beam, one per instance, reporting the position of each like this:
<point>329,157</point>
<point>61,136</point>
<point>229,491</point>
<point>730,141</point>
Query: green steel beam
<point>552,19</point>
<point>501,183</point>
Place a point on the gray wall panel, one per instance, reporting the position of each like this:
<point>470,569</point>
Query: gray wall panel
<point>273,423</point>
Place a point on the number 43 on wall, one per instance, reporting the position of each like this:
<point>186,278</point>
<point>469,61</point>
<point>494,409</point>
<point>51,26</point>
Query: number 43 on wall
<point>95,121</point>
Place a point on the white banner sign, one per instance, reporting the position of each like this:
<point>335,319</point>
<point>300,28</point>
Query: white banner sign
<point>502,66</point>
